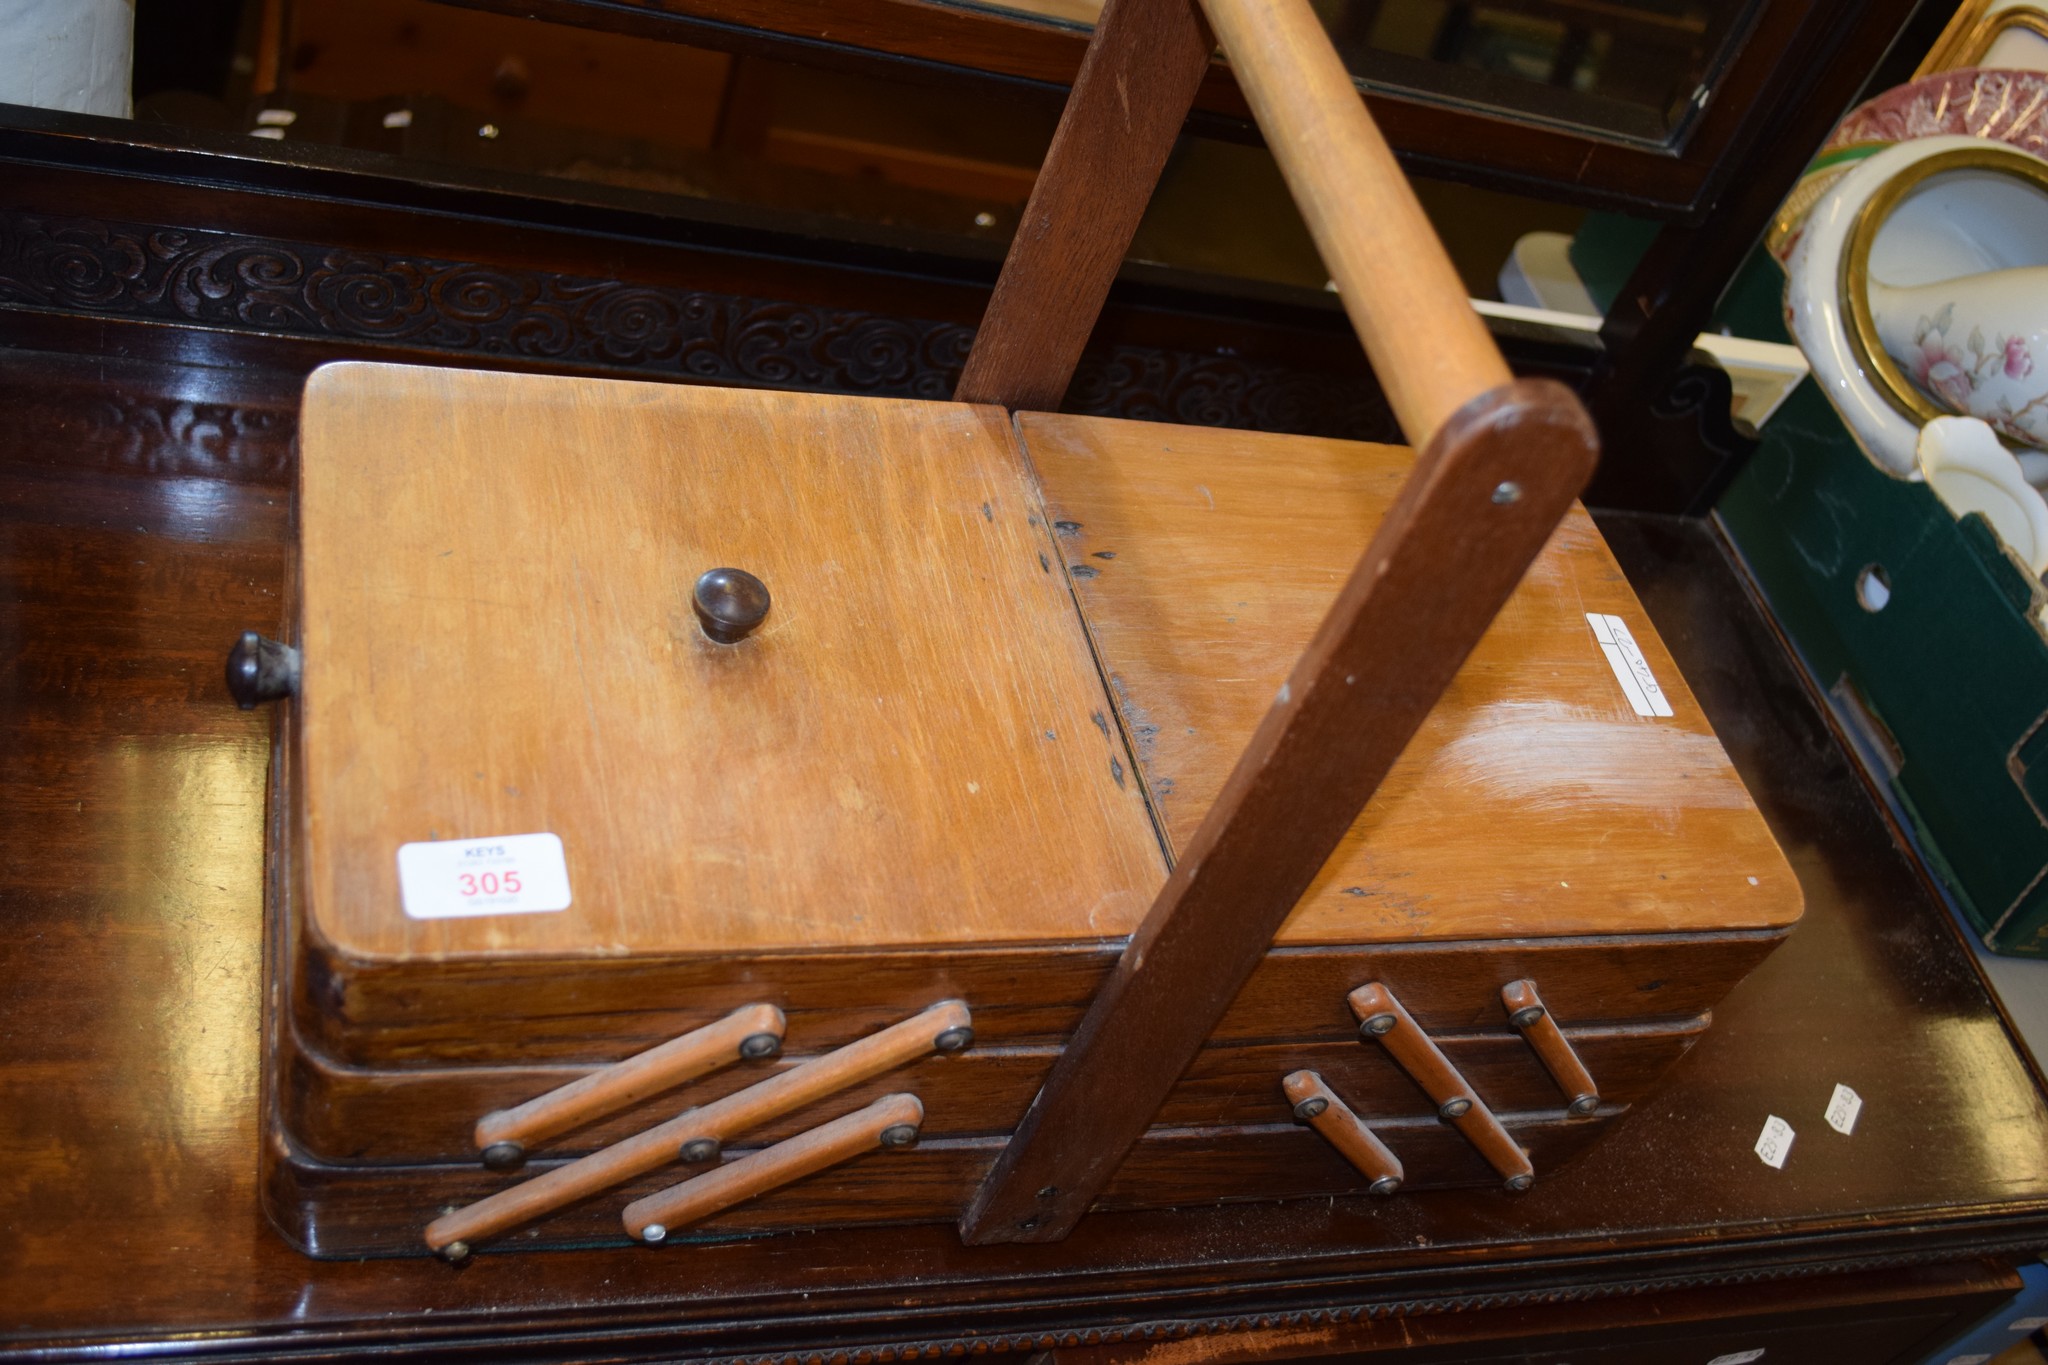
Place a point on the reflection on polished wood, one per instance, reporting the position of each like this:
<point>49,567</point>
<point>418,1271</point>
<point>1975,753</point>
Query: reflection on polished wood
<point>1199,610</point>
<point>144,521</point>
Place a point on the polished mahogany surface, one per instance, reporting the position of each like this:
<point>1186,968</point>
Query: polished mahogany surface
<point>145,520</point>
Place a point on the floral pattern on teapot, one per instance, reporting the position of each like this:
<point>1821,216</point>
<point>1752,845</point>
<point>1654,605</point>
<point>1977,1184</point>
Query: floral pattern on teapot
<point>1976,346</point>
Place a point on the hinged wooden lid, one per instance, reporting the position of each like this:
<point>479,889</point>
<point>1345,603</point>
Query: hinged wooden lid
<point>914,749</point>
<point>1538,799</point>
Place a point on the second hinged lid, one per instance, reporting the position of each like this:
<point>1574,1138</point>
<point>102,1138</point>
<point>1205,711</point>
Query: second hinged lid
<point>1567,783</point>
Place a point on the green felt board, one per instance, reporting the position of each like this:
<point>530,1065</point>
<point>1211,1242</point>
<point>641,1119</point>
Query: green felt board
<point>1951,667</point>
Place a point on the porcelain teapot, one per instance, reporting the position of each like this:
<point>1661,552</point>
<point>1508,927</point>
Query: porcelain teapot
<point>1917,285</point>
<point>1918,288</point>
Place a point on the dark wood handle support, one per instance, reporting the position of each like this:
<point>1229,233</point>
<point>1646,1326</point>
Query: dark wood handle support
<point>700,1134</point>
<point>1527,1012</point>
<point>1383,1019</point>
<point>1499,461</point>
<point>1132,94</point>
<point>1320,1108</point>
<point>891,1121</point>
<point>1485,495</point>
<point>751,1031</point>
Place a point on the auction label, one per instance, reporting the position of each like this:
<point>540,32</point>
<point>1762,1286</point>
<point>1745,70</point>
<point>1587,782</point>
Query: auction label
<point>1843,1107</point>
<point>1631,669</point>
<point>1774,1144</point>
<point>511,874</point>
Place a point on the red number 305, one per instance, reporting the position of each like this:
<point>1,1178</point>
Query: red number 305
<point>489,883</point>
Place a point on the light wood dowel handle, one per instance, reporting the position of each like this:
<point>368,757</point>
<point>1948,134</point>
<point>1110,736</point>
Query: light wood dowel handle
<point>945,1027</point>
<point>1429,350</point>
<point>1384,1019</point>
<point>1527,1013</point>
<point>752,1031</point>
<point>1319,1107</point>
<point>890,1121</point>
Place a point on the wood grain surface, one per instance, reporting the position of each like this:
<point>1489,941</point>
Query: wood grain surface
<point>536,1017</point>
<point>1533,800</point>
<point>499,640</point>
<point>981,649</point>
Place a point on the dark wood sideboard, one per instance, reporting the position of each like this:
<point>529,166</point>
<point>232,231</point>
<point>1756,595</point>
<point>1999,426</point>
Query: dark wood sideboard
<point>159,307</point>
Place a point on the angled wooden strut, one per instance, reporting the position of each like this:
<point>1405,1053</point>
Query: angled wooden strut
<point>1499,462</point>
<point>1132,95</point>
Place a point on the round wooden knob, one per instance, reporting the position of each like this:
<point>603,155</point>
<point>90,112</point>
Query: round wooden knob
<point>730,603</point>
<point>260,669</point>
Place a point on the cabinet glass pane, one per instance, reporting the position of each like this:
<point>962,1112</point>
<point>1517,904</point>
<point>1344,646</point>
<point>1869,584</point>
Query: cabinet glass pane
<point>1630,69</point>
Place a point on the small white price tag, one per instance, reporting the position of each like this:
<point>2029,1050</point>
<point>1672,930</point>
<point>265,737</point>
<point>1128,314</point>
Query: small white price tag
<point>1774,1144</point>
<point>1843,1107</point>
<point>512,874</point>
<point>1631,669</point>
<point>1738,1357</point>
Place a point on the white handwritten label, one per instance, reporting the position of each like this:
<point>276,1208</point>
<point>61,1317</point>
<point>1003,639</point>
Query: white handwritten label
<point>2026,1324</point>
<point>1843,1107</point>
<point>1774,1144</point>
<point>1631,669</point>
<point>1738,1357</point>
<point>512,874</point>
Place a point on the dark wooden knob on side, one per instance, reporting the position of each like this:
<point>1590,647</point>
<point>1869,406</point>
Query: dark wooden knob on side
<point>730,603</point>
<point>260,669</point>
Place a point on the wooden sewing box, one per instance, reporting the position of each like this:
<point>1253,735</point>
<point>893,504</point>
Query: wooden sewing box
<point>708,812</point>
<point>1009,663</point>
